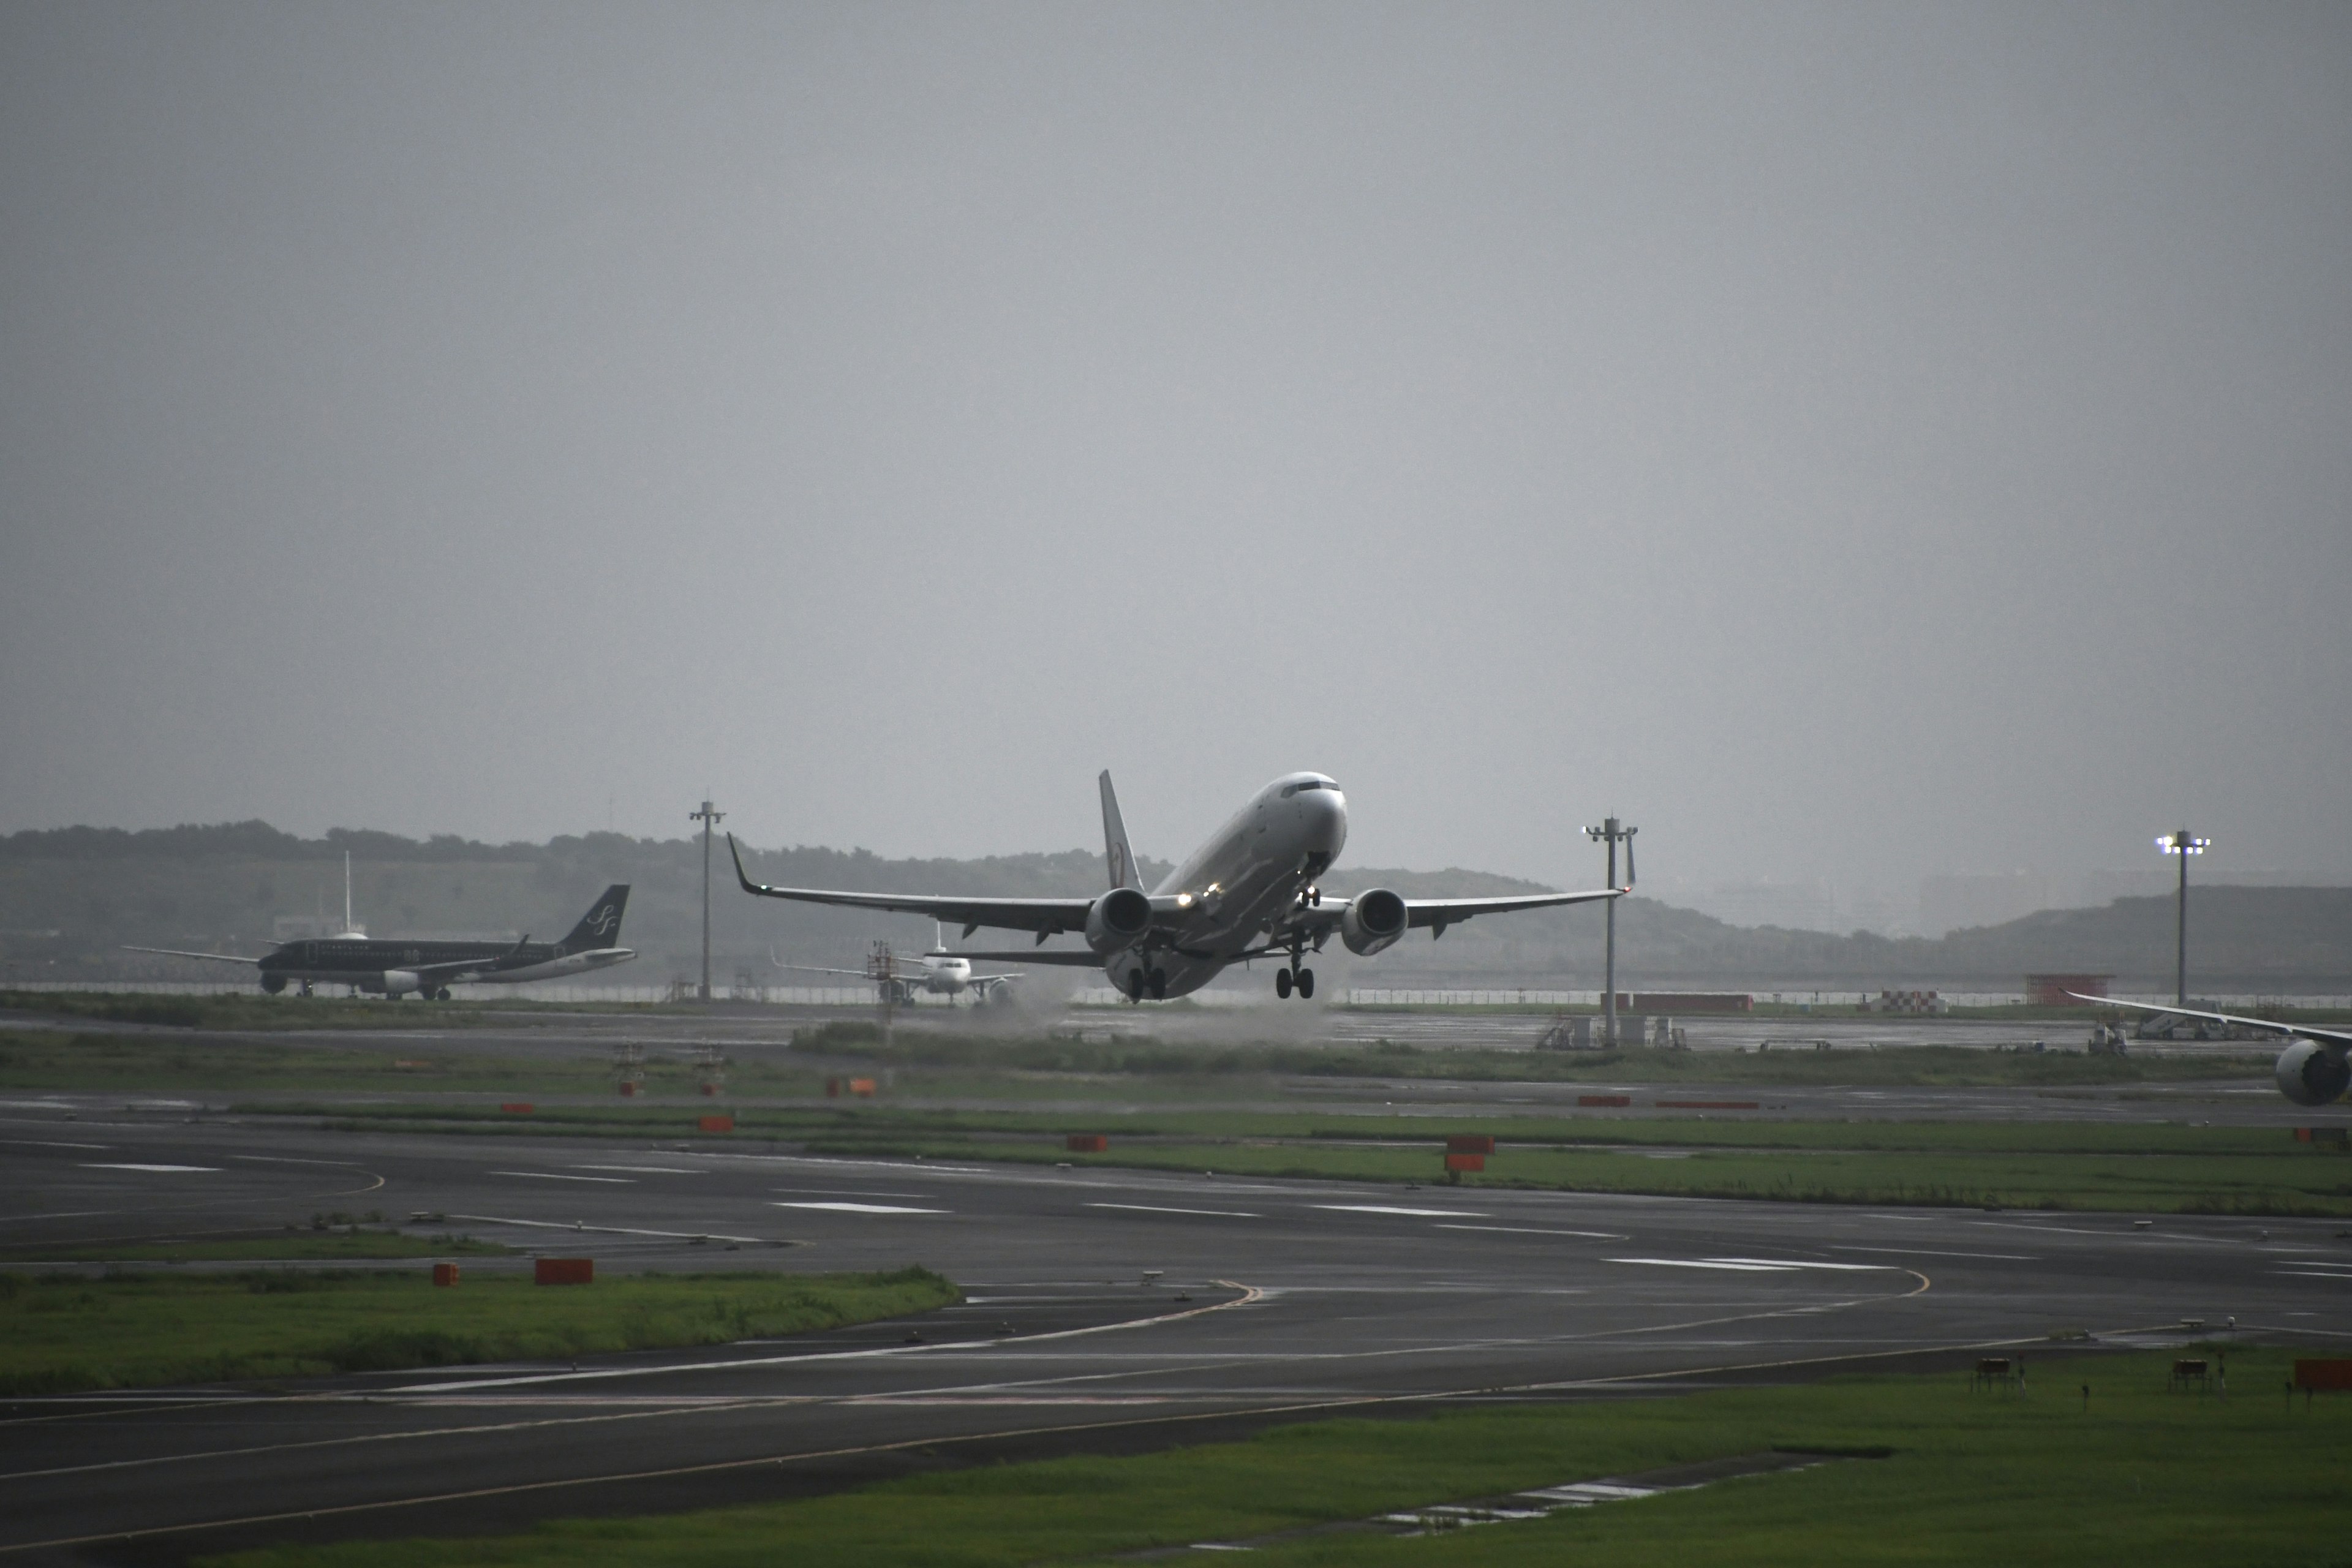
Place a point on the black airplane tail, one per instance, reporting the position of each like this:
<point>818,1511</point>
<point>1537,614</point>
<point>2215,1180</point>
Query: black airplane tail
<point>601,926</point>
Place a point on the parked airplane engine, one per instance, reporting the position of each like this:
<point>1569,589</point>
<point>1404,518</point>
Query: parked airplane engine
<point>2311,1074</point>
<point>1374,919</point>
<point>400,981</point>
<point>1117,920</point>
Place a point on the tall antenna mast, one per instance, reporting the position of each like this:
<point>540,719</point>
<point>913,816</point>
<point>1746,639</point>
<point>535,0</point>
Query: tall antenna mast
<point>708,815</point>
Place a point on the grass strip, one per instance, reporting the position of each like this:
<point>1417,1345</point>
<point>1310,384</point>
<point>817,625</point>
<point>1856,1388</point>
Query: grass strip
<point>62,1333</point>
<point>2133,1476</point>
<point>2287,1184</point>
<point>297,1247</point>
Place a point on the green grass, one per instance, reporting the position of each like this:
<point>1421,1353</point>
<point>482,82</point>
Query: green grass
<point>1903,1067</point>
<point>2112,1167</point>
<point>2293,1180</point>
<point>293,1246</point>
<point>62,1333</point>
<point>2140,1478</point>
<point>52,1060</point>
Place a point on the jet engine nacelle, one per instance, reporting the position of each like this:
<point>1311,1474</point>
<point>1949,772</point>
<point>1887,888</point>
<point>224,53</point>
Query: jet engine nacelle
<point>400,981</point>
<point>1373,921</point>
<point>2311,1074</point>
<point>1118,920</point>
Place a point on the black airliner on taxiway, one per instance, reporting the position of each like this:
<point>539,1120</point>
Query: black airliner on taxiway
<point>396,968</point>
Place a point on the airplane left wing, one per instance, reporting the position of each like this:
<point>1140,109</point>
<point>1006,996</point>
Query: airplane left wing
<point>1435,915</point>
<point>1046,916</point>
<point>2340,1038</point>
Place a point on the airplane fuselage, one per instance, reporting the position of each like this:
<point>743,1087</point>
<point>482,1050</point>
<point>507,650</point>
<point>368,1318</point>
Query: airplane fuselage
<point>364,963</point>
<point>1254,871</point>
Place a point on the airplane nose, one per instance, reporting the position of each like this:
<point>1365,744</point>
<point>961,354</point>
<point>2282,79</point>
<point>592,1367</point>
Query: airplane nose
<point>1326,810</point>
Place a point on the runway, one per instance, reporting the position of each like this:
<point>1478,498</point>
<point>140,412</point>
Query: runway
<point>1105,1310</point>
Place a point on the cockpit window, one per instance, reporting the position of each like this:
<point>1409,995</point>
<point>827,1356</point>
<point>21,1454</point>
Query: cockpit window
<point>1290,789</point>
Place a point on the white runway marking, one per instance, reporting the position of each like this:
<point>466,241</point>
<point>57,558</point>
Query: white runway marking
<point>861,1208</point>
<point>1930,1252</point>
<point>1388,1208</point>
<point>133,1165</point>
<point>554,1177</point>
<point>1531,1230</point>
<point>847,1192</point>
<point>1709,1263</point>
<point>646,1170</point>
<point>1802,1263</point>
<point>52,1144</point>
<point>1162,1209</point>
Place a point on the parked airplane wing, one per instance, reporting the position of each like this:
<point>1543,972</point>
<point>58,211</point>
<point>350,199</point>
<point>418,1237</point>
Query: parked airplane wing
<point>1046,916</point>
<point>176,952</point>
<point>2300,1031</point>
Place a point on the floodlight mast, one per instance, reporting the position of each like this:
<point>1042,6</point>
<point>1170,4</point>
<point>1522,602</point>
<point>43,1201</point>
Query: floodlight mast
<point>2184,844</point>
<point>708,817</point>
<point>1612,832</point>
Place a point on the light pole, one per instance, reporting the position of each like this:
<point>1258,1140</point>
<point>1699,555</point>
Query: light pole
<point>1610,832</point>
<point>709,817</point>
<point>2183,843</point>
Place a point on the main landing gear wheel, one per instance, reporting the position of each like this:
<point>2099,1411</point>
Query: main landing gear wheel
<point>442,994</point>
<point>1135,987</point>
<point>1306,984</point>
<point>1282,983</point>
<point>1159,986</point>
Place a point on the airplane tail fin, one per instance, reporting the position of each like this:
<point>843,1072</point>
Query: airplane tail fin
<point>1123,873</point>
<point>601,926</point>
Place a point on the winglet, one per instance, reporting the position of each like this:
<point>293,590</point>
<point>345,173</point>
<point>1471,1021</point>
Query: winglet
<point>749,885</point>
<point>1122,859</point>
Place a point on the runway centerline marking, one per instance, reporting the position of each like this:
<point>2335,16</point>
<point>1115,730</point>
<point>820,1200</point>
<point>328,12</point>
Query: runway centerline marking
<point>646,1170</point>
<point>1163,1208</point>
<point>134,1165</point>
<point>1391,1208</point>
<point>1531,1230</point>
<point>1801,1263</point>
<point>558,1176</point>
<point>51,1143</point>
<point>1930,1252</point>
<point>840,1207</point>
<point>1709,1263</point>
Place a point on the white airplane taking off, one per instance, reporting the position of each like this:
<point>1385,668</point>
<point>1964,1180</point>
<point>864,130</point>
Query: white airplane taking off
<point>943,974</point>
<point>2314,1069</point>
<point>1249,892</point>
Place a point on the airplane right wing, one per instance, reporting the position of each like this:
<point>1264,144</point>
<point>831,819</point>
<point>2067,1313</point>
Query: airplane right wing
<point>1046,916</point>
<point>176,952</point>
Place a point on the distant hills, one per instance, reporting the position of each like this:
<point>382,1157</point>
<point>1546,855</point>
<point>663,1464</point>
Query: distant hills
<point>70,896</point>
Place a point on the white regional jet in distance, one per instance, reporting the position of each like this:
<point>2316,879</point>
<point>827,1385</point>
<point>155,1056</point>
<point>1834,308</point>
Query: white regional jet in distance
<point>1248,892</point>
<point>942,974</point>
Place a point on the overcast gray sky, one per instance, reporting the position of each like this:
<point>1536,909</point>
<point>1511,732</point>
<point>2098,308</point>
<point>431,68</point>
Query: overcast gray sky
<point>1848,440</point>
